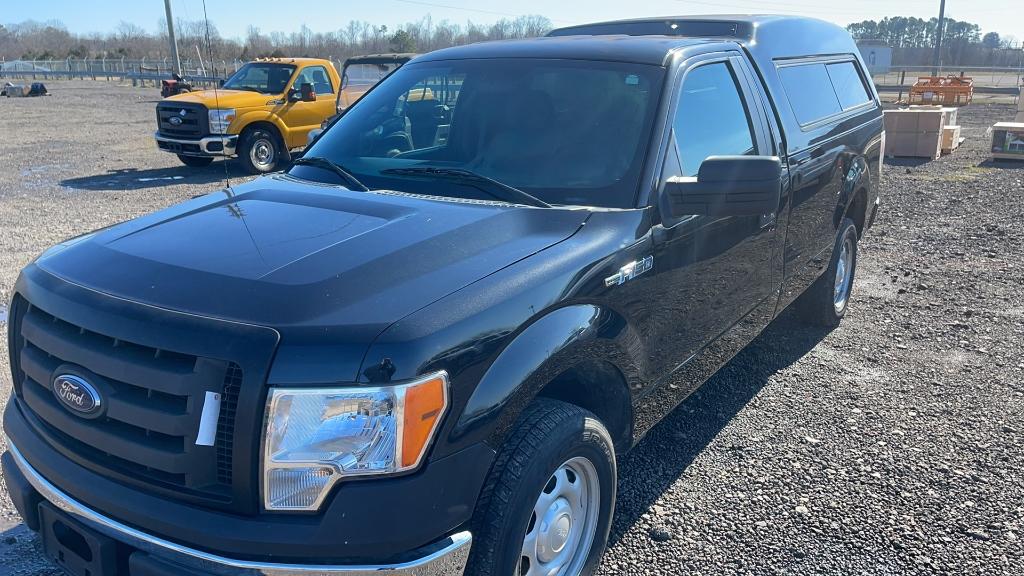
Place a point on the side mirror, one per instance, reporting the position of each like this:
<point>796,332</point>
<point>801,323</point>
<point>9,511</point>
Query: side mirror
<point>728,186</point>
<point>307,92</point>
<point>344,80</point>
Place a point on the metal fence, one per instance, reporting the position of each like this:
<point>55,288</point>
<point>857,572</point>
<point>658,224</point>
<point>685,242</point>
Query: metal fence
<point>986,80</point>
<point>897,78</point>
<point>138,71</point>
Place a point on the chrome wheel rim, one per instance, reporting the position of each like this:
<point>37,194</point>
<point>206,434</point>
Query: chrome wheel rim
<point>563,524</point>
<point>262,152</point>
<point>844,276</point>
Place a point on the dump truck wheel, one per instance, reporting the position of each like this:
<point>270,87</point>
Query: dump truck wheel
<point>260,150</point>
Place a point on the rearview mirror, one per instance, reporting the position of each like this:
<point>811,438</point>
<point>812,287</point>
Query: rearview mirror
<point>728,186</point>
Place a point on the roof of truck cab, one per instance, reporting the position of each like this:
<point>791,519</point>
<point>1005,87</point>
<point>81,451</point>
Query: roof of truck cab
<point>767,36</point>
<point>617,48</point>
<point>290,60</point>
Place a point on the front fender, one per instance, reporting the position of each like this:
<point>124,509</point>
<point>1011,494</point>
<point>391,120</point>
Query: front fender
<point>552,344</point>
<point>249,117</point>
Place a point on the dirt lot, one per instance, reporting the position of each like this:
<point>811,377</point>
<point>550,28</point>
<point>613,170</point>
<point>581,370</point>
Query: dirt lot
<point>892,445</point>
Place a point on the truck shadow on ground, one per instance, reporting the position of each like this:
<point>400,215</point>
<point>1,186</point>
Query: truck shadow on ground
<point>1003,164</point>
<point>906,161</point>
<point>651,468</point>
<point>21,553</point>
<point>134,179</point>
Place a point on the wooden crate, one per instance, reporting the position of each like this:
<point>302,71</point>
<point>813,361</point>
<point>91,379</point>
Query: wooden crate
<point>914,132</point>
<point>1008,141</point>
<point>950,139</point>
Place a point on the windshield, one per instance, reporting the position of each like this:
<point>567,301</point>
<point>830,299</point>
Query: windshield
<point>265,77</point>
<point>569,132</point>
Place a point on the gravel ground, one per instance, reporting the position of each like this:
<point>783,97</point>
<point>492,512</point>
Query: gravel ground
<point>892,445</point>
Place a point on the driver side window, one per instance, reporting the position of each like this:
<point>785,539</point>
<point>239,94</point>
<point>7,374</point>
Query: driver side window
<point>318,77</point>
<point>711,119</point>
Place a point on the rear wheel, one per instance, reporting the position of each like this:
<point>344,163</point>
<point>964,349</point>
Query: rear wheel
<point>547,506</point>
<point>260,150</point>
<point>826,301</point>
<point>195,161</point>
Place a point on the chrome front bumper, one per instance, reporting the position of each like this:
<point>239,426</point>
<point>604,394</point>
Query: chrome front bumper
<point>449,560</point>
<point>208,146</point>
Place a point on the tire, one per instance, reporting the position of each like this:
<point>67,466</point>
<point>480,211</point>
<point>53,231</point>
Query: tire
<point>826,301</point>
<point>195,161</point>
<point>260,150</point>
<point>557,454</point>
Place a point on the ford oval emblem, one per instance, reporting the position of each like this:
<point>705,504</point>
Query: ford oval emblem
<point>77,394</point>
<point>175,120</point>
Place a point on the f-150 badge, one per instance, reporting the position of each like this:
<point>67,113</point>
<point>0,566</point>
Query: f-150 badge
<point>630,271</point>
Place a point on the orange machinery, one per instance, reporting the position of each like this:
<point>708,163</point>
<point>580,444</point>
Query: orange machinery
<point>943,90</point>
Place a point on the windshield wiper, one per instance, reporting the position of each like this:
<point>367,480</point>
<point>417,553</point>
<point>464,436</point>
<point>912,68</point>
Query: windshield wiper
<point>499,190</point>
<point>351,181</point>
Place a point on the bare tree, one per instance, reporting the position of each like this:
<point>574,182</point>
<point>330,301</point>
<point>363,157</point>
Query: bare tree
<point>51,40</point>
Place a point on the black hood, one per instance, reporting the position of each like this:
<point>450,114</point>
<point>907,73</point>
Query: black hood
<point>285,253</point>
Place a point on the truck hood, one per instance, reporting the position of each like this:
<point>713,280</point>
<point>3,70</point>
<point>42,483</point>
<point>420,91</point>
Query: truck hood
<point>222,99</point>
<point>292,254</point>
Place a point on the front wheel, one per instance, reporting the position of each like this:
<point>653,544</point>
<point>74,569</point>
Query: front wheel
<point>826,301</point>
<point>548,502</point>
<point>195,161</point>
<point>260,150</point>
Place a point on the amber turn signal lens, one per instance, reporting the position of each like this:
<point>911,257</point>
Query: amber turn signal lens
<point>425,403</point>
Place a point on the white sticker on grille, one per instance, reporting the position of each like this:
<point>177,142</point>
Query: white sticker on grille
<point>208,423</point>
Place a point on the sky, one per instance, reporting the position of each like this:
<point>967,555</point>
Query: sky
<point>232,17</point>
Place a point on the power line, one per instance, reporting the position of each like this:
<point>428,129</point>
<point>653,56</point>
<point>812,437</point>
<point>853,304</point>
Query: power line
<point>464,9</point>
<point>450,7</point>
<point>788,8</point>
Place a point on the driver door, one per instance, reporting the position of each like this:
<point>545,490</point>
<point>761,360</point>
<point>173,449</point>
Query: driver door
<point>717,270</point>
<point>301,117</point>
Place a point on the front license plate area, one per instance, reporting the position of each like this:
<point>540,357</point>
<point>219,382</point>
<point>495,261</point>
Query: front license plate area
<point>73,547</point>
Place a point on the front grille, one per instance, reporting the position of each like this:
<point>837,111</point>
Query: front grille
<point>194,119</point>
<point>226,424</point>
<point>154,399</point>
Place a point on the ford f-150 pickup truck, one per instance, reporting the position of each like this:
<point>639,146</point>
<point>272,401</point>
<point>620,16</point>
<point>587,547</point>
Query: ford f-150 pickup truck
<point>423,347</point>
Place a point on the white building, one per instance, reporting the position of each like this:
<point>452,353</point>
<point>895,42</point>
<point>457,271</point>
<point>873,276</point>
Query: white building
<point>878,57</point>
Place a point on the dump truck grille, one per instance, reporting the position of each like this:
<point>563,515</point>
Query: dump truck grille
<point>182,120</point>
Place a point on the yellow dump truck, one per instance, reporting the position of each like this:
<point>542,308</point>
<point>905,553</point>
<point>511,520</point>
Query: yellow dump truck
<point>259,114</point>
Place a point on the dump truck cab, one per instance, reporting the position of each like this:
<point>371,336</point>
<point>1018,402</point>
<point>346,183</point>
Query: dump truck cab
<point>259,114</point>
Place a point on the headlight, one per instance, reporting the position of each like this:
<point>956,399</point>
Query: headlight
<point>316,437</point>
<point>220,120</point>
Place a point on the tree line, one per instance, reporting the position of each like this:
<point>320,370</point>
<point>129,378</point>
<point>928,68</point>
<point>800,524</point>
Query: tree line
<point>32,40</point>
<point>913,41</point>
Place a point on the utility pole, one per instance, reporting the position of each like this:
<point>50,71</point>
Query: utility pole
<point>937,60</point>
<point>175,61</point>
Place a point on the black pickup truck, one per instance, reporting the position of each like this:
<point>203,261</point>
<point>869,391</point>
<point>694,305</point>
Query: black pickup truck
<point>421,349</point>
